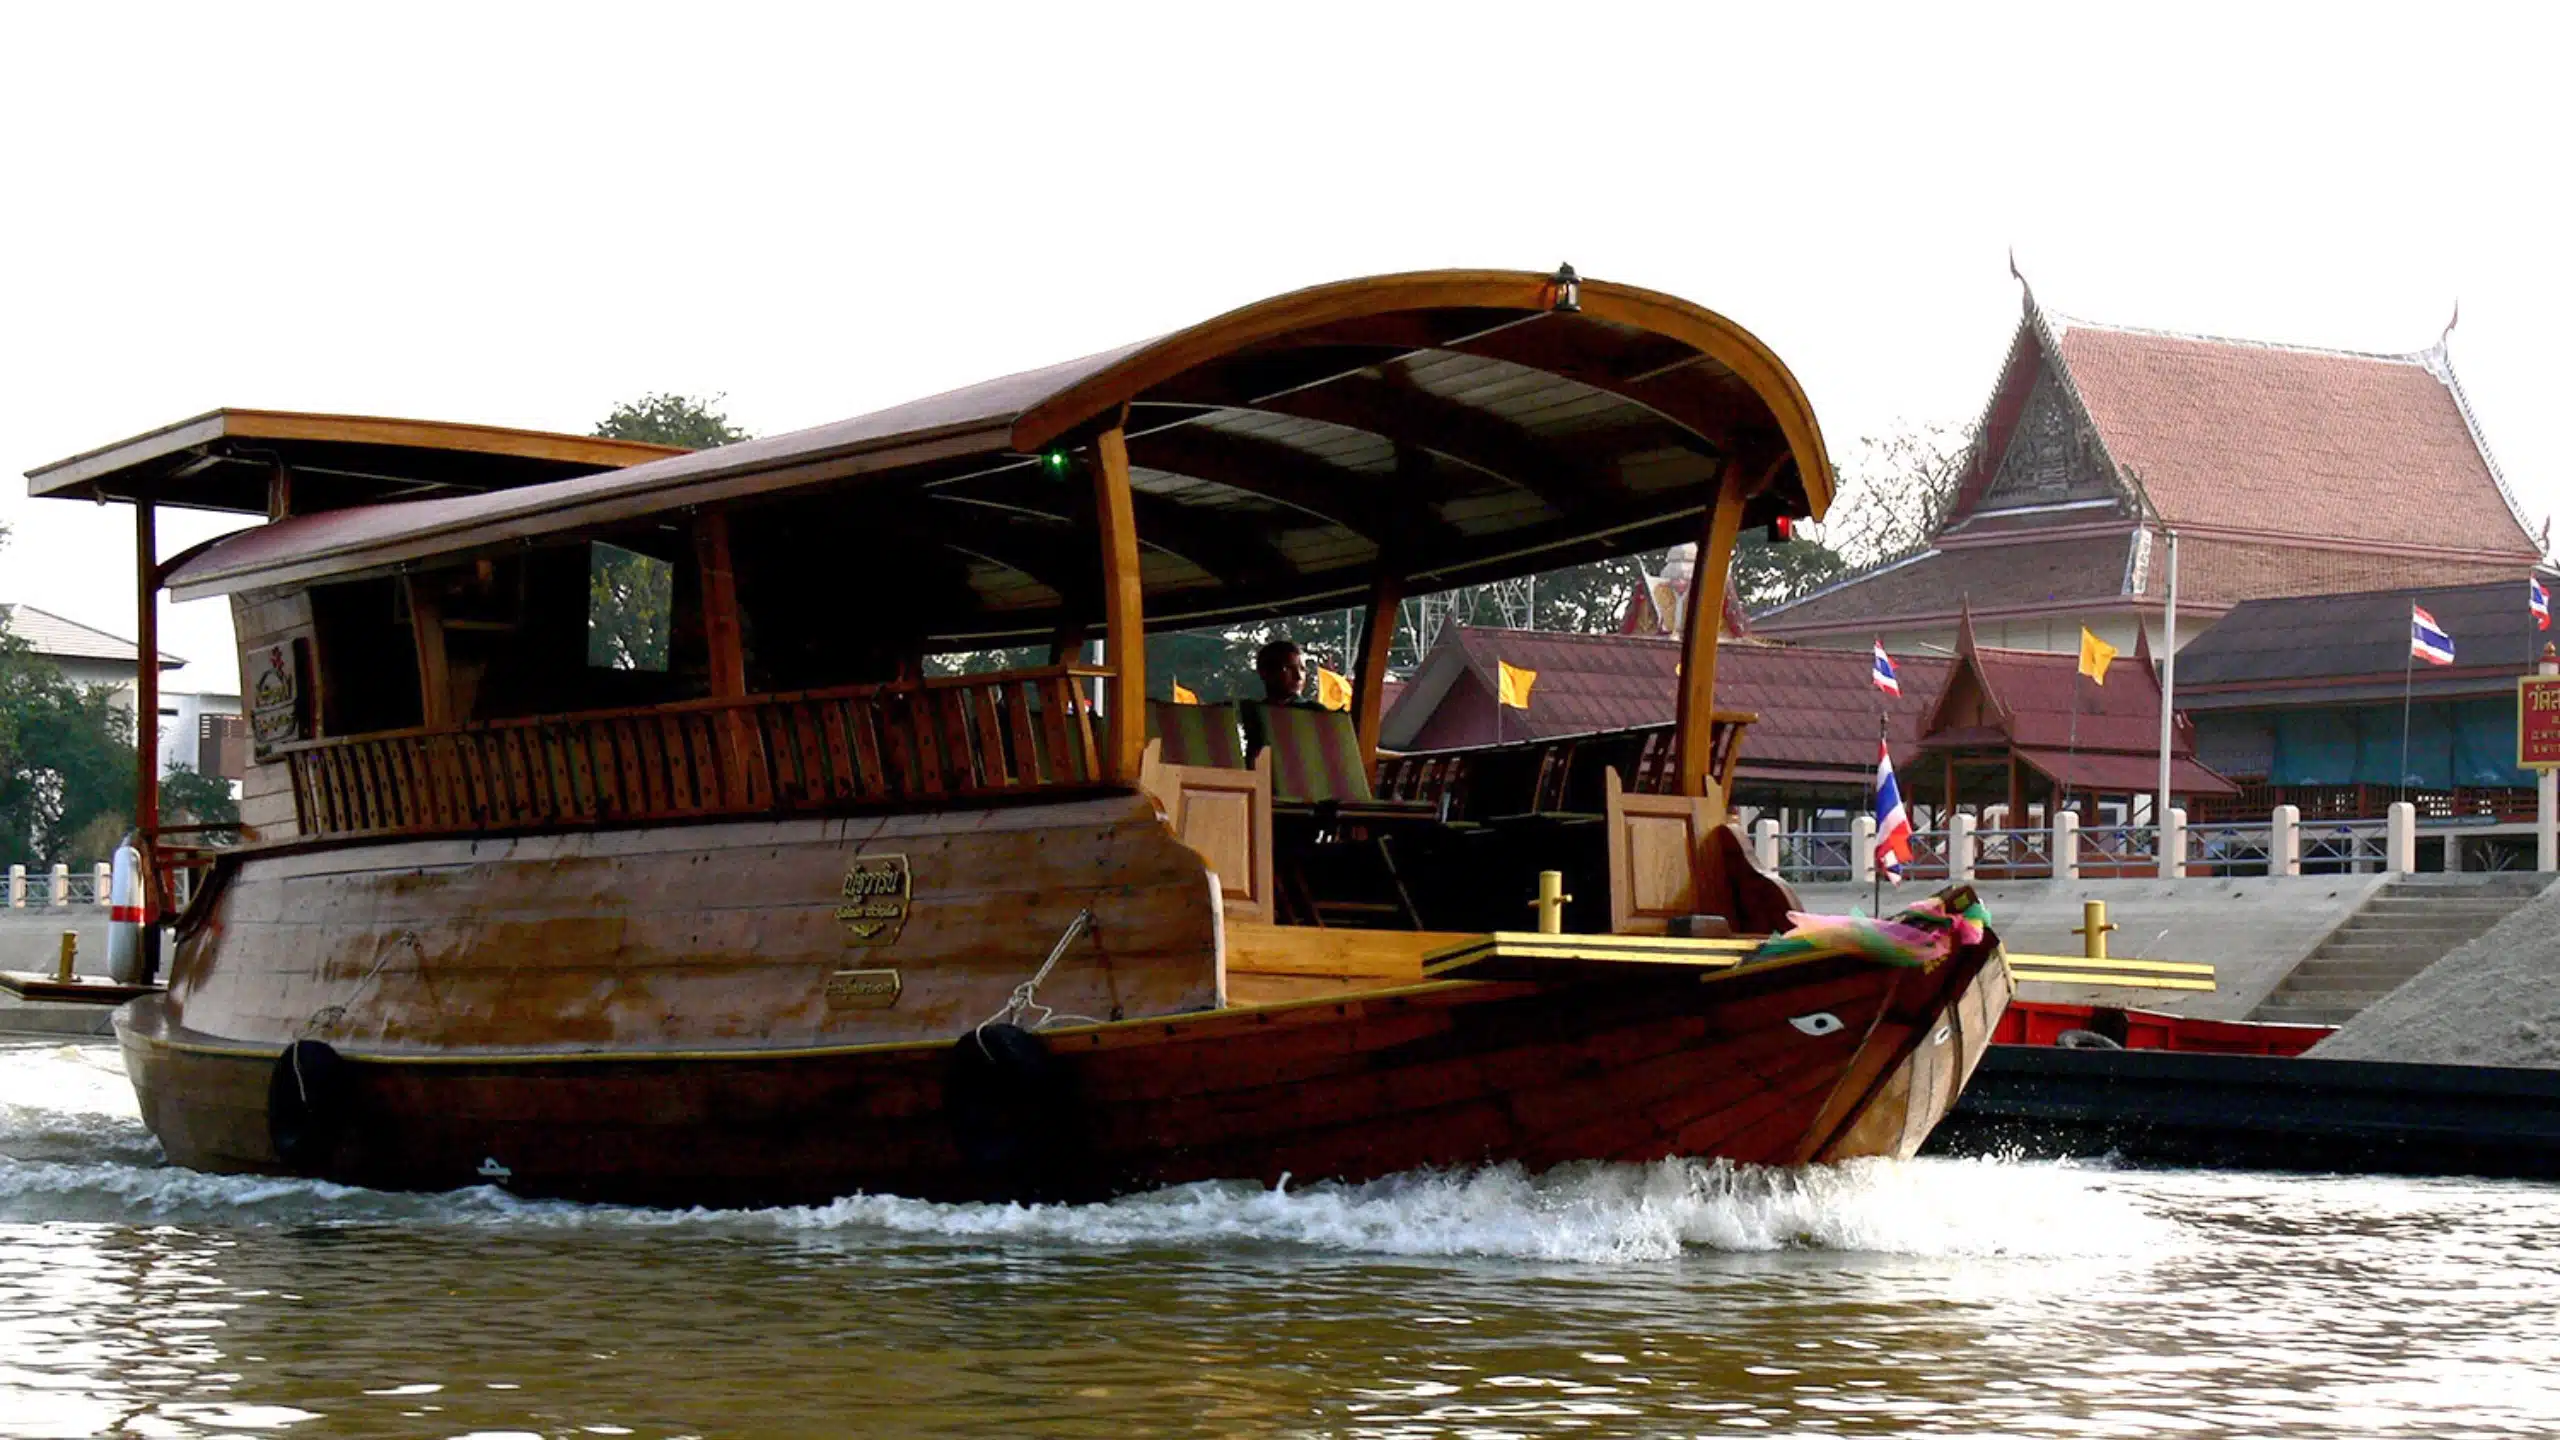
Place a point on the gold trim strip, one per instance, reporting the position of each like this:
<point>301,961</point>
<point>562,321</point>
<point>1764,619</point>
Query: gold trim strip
<point>2164,967</point>
<point>2081,977</point>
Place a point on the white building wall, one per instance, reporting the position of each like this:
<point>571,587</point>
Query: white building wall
<point>180,722</point>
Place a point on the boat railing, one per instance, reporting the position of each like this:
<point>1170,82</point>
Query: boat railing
<point>1557,774</point>
<point>946,738</point>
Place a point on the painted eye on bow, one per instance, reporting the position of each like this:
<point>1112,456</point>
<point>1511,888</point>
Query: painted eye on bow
<point>1820,1022</point>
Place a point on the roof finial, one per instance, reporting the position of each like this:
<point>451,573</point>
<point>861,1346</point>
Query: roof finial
<point>2026,290</point>
<point>2449,324</point>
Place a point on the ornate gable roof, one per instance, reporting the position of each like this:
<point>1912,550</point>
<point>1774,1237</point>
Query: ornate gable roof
<point>2275,440</point>
<point>2286,470</point>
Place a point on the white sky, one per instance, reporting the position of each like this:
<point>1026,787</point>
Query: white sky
<point>521,214</point>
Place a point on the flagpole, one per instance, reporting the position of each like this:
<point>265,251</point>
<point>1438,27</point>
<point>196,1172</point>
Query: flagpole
<point>1875,866</point>
<point>2408,665</point>
<point>2168,684</point>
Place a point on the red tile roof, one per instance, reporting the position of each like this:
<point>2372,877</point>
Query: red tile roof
<point>2313,443</point>
<point>1817,708</point>
<point>2030,572</point>
<point>2360,471</point>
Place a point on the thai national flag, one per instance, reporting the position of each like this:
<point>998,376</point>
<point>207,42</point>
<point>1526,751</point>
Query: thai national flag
<point>2427,639</point>
<point>2541,603</point>
<point>1886,680</point>
<point>1893,823</point>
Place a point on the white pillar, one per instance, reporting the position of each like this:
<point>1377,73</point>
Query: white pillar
<point>2546,820</point>
<point>1764,844</point>
<point>60,890</point>
<point>102,883</point>
<point>2066,845</point>
<point>1959,846</point>
<point>2284,841</point>
<point>2173,845</point>
<point>1862,849</point>
<point>17,887</point>
<point>2400,839</point>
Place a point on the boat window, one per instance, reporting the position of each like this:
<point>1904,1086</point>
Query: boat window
<point>368,658</point>
<point>630,608</point>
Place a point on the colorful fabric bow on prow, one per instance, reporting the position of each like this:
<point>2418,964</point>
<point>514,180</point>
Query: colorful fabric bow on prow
<point>1919,935</point>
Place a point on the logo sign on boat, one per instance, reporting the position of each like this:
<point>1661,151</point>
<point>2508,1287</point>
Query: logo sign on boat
<point>873,907</point>
<point>2538,721</point>
<point>862,990</point>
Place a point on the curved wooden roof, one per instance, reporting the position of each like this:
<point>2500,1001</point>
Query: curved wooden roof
<point>223,460</point>
<point>1450,426</point>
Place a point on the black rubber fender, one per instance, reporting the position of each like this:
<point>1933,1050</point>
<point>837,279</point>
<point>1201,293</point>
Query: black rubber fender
<point>1015,1116</point>
<point>307,1104</point>
<point>2086,1040</point>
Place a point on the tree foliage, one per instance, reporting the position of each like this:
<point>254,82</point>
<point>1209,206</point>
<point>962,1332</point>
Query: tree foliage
<point>671,419</point>
<point>630,608</point>
<point>187,798</point>
<point>66,756</point>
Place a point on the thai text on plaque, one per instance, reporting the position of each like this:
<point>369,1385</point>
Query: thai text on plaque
<point>873,906</point>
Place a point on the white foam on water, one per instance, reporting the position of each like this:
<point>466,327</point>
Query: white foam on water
<point>1593,1213</point>
<point>72,1147</point>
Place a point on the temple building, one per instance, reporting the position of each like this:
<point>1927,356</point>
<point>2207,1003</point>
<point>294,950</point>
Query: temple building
<point>2284,471</point>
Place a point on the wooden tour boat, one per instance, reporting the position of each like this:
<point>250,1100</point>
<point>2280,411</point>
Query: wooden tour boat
<point>620,826</point>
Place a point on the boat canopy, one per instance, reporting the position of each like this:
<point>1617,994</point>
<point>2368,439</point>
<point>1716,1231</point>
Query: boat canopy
<point>277,462</point>
<point>1421,430</point>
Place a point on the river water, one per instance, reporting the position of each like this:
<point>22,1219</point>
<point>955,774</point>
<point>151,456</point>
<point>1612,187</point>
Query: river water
<point>1940,1297</point>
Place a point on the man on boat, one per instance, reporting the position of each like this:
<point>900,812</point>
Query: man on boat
<point>1282,667</point>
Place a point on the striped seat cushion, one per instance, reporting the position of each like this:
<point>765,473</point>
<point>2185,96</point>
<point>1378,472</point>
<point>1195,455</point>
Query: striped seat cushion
<point>1315,754</point>
<point>1206,735</point>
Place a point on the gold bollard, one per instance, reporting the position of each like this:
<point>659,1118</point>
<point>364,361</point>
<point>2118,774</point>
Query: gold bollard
<point>1550,902</point>
<point>2093,929</point>
<point>62,970</point>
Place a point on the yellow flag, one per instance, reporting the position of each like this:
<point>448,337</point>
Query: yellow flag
<point>2094,655</point>
<point>1513,688</point>
<point>1332,691</point>
<point>1182,696</point>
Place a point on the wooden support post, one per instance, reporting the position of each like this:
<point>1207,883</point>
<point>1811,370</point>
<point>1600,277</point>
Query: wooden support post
<point>1123,618</point>
<point>741,745</point>
<point>2017,796</point>
<point>435,680</point>
<point>1694,734</point>
<point>720,628</point>
<point>146,700</point>
<point>1368,687</point>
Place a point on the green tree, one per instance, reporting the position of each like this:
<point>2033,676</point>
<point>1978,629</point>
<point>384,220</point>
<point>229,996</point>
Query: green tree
<point>670,419</point>
<point>187,798</point>
<point>67,756</point>
<point>630,608</point>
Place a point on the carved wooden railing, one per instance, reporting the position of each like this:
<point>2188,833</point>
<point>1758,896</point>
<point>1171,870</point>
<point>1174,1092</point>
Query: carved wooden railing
<point>951,737</point>
<point>1563,774</point>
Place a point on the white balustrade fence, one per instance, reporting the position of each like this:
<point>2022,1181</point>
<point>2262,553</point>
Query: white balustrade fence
<point>2283,844</point>
<point>48,887</point>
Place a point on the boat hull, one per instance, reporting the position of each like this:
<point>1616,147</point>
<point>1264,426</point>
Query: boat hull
<point>1442,1074</point>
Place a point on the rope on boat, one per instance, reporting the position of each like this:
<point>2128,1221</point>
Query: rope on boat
<point>1025,995</point>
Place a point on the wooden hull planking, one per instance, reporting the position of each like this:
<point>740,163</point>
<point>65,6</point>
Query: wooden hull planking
<point>1445,1074</point>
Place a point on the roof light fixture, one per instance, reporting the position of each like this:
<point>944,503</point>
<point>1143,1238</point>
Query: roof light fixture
<point>1568,290</point>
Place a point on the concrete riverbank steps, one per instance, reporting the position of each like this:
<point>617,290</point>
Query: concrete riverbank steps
<point>2400,930</point>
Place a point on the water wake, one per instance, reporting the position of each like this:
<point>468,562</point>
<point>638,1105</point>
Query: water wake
<point>72,1148</point>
